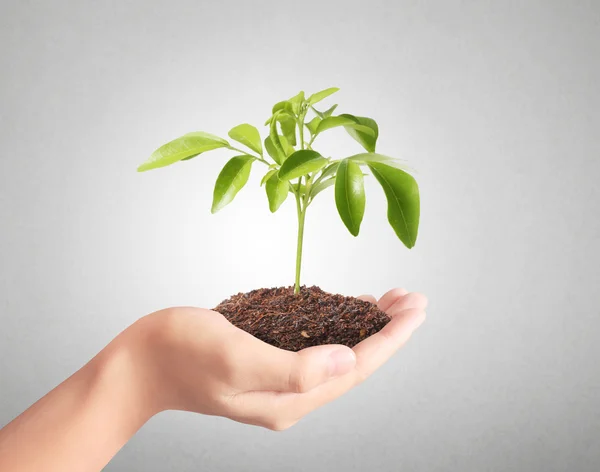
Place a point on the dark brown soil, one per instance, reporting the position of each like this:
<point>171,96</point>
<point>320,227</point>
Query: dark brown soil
<point>311,318</point>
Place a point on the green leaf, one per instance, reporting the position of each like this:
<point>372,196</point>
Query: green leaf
<point>267,176</point>
<point>322,185</point>
<point>325,114</point>
<point>402,193</point>
<point>335,121</point>
<point>296,102</point>
<point>284,106</point>
<point>272,150</point>
<point>230,181</point>
<point>317,97</point>
<point>295,188</point>
<point>368,140</point>
<point>185,147</point>
<point>274,153</point>
<point>287,147</point>
<point>288,127</point>
<point>247,135</point>
<point>329,170</point>
<point>367,158</point>
<point>301,163</point>
<point>277,192</point>
<point>275,140</point>
<point>350,195</point>
<point>313,124</point>
<point>329,112</point>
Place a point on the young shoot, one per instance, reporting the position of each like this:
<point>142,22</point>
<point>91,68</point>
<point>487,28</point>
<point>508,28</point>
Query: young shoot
<point>294,166</point>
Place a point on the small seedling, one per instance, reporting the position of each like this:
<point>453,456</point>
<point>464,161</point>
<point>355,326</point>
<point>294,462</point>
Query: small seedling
<point>295,167</point>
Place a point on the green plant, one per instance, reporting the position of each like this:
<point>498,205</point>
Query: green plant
<point>297,168</point>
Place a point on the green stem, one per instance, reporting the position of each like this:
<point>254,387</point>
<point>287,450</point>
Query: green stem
<point>261,159</point>
<point>301,215</point>
<point>301,131</point>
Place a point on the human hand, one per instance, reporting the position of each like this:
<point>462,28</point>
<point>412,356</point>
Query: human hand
<point>191,359</point>
<point>195,360</point>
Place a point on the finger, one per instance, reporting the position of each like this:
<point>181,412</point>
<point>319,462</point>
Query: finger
<point>410,300</point>
<point>267,409</point>
<point>316,365</point>
<point>266,368</point>
<point>280,410</point>
<point>371,353</point>
<point>374,351</point>
<point>390,297</point>
<point>368,298</point>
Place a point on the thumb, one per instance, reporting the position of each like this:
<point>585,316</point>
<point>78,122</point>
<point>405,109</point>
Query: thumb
<point>298,372</point>
<point>313,366</point>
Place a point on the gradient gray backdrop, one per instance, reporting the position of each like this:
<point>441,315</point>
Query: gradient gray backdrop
<point>496,104</point>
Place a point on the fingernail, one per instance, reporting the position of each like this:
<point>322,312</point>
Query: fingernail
<point>341,361</point>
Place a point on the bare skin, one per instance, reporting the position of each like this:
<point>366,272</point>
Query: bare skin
<point>192,359</point>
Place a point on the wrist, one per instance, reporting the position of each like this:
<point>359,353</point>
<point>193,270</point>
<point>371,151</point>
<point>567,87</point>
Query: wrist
<point>124,368</point>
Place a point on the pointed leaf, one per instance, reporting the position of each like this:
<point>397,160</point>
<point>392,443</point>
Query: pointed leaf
<point>288,128</point>
<point>322,185</point>
<point>402,193</point>
<point>272,150</point>
<point>368,157</point>
<point>301,163</point>
<point>295,188</point>
<point>326,113</point>
<point>279,153</point>
<point>350,195</point>
<point>329,170</point>
<point>317,97</point>
<point>368,140</point>
<point>313,124</point>
<point>284,106</point>
<point>185,147</point>
<point>335,121</point>
<point>296,102</point>
<point>277,192</point>
<point>247,135</point>
<point>267,176</point>
<point>230,181</point>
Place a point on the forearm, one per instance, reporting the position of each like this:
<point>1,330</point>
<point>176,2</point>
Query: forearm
<point>84,421</point>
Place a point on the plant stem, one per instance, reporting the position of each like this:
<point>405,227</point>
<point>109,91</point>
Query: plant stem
<point>301,209</point>
<point>301,216</point>
<point>261,159</point>
<point>301,131</point>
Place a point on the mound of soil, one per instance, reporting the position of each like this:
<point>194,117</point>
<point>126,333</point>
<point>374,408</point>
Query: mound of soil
<point>313,317</point>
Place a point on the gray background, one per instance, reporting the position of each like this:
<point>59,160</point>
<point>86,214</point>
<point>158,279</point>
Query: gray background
<point>496,104</point>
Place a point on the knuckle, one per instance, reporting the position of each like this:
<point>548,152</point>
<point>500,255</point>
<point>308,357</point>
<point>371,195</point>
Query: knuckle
<point>395,294</point>
<point>299,381</point>
<point>415,299</point>
<point>410,298</point>
<point>387,335</point>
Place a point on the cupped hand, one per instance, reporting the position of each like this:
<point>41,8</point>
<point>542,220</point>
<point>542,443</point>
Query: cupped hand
<point>196,360</point>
